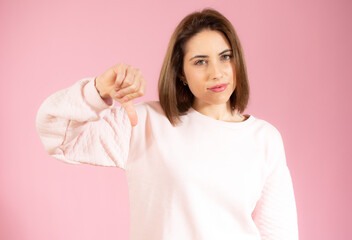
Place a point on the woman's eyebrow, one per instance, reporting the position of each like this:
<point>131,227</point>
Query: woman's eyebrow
<point>205,56</point>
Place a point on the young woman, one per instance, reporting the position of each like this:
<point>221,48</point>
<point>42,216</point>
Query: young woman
<point>196,167</point>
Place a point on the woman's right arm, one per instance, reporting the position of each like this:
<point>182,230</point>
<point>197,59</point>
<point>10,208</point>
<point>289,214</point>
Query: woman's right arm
<point>80,125</point>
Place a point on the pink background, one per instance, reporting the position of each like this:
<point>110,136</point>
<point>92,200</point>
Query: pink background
<point>298,56</point>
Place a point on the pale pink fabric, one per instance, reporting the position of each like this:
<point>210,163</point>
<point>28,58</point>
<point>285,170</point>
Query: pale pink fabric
<point>203,179</point>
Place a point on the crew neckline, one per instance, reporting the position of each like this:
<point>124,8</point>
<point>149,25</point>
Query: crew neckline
<point>211,120</point>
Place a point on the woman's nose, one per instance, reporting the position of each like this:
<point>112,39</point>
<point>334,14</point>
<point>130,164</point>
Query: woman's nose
<point>215,71</point>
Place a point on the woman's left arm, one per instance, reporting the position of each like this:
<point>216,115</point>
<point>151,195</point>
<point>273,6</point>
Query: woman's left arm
<point>275,213</point>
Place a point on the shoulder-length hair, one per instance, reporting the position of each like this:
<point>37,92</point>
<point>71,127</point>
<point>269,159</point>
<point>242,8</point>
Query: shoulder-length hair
<point>176,98</point>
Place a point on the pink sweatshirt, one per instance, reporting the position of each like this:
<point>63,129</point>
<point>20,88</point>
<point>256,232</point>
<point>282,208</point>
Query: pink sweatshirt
<point>203,179</point>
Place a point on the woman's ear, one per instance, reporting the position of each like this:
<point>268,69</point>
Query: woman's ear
<point>182,78</point>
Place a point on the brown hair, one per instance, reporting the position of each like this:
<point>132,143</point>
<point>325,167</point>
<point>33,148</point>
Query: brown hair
<point>176,98</point>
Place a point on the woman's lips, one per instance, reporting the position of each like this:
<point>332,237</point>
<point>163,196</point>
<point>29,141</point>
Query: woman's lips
<point>218,88</point>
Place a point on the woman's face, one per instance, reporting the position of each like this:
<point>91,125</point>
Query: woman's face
<point>208,62</point>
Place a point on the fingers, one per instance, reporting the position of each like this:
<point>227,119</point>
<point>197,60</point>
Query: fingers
<point>129,84</point>
<point>131,112</point>
<point>134,94</point>
<point>132,86</point>
<point>129,78</point>
<point>130,92</point>
<point>120,71</point>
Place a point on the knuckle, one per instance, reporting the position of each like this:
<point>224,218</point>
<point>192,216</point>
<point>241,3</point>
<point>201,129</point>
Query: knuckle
<point>128,82</point>
<point>134,88</point>
<point>141,92</point>
<point>130,68</point>
<point>120,70</point>
<point>121,93</point>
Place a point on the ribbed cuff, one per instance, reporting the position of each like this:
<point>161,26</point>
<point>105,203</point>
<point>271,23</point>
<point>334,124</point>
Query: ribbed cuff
<point>93,98</point>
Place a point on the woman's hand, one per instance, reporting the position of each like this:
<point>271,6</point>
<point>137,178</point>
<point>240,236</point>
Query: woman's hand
<point>122,83</point>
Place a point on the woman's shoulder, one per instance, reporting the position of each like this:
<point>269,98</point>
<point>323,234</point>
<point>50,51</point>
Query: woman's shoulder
<point>267,128</point>
<point>150,106</point>
<point>151,109</point>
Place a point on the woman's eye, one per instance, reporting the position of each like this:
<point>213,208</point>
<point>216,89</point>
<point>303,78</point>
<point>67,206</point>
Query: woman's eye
<point>200,62</point>
<point>226,57</point>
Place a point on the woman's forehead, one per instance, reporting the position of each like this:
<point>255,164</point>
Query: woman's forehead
<point>207,41</point>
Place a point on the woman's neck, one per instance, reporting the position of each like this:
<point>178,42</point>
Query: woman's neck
<point>220,112</point>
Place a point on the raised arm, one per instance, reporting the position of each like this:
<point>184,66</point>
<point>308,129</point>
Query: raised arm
<point>78,125</point>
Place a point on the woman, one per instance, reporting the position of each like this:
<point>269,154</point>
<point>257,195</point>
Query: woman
<point>196,167</point>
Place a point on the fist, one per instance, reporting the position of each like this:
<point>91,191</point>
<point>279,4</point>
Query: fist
<point>122,83</point>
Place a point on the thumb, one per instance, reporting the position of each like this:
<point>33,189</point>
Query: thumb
<point>131,112</point>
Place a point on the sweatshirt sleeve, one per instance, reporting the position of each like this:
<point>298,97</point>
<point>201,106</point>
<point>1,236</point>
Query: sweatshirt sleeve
<point>77,126</point>
<point>275,213</point>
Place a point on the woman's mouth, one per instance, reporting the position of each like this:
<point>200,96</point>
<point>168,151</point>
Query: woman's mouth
<point>218,88</point>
